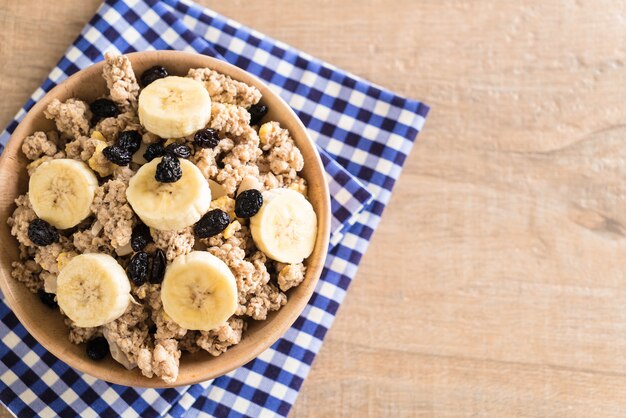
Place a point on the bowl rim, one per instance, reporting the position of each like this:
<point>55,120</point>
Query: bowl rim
<point>296,305</point>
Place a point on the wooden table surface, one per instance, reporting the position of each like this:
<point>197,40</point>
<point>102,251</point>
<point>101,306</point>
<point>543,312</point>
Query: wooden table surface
<point>495,284</point>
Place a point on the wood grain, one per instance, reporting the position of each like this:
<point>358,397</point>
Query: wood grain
<point>494,285</point>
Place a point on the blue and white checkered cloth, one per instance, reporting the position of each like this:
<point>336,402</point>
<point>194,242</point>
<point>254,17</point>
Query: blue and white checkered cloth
<point>364,134</point>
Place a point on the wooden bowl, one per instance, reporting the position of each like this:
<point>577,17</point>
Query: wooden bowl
<point>48,328</point>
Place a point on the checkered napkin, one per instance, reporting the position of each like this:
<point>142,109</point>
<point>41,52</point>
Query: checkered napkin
<point>364,134</point>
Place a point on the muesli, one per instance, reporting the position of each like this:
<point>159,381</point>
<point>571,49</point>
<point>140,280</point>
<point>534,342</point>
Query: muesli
<point>162,217</point>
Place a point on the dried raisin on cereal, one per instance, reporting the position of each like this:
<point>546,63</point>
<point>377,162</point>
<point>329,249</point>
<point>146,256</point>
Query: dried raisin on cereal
<point>104,108</point>
<point>117,155</point>
<point>178,150</point>
<point>206,138</point>
<point>47,298</point>
<point>154,151</point>
<point>98,348</point>
<point>138,268</point>
<point>129,140</point>
<point>168,170</point>
<point>219,161</point>
<point>212,223</point>
<point>158,267</point>
<point>41,233</point>
<point>153,74</point>
<point>248,203</point>
<point>152,329</point>
<point>140,237</point>
<point>257,113</point>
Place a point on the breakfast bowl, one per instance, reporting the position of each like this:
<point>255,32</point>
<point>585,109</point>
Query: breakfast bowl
<point>48,327</point>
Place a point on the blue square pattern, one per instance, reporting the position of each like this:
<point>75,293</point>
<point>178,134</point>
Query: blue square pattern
<point>364,134</point>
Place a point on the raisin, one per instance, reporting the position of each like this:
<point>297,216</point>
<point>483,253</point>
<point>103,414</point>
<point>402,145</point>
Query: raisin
<point>158,267</point>
<point>154,151</point>
<point>129,140</point>
<point>138,268</point>
<point>257,112</point>
<point>219,161</point>
<point>248,203</point>
<point>117,155</point>
<point>206,138</point>
<point>153,74</point>
<point>140,237</point>
<point>178,150</point>
<point>212,223</point>
<point>98,348</point>
<point>42,233</point>
<point>152,329</point>
<point>47,298</point>
<point>168,170</point>
<point>104,108</point>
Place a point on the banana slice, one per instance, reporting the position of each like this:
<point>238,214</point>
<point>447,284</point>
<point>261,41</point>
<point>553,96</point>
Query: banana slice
<point>199,292</point>
<point>93,289</point>
<point>174,107</point>
<point>169,206</point>
<point>285,227</point>
<point>62,191</point>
